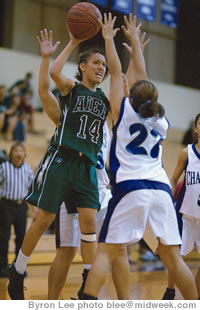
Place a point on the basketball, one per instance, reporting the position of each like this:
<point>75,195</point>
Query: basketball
<point>82,20</point>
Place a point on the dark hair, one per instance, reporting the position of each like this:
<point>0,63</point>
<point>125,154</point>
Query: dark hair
<point>27,92</point>
<point>15,145</point>
<point>83,57</point>
<point>196,120</point>
<point>144,97</point>
<point>29,74</point>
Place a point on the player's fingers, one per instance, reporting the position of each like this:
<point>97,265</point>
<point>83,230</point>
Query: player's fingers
<point>116,30</point>
<point>38,39</point>
<point>124,77</point>
<point>129,49</point>
<point>143,37</point>
<point>126,21</point>
<point>105,18</point>
<point>100,22</point>
<point>50,35</point>
<point>109,17</point>
<point>123,28</point>
<point>139,26</point>
<point>130,18</point>
<point>146,42</point>
<point>114,19</point>
<point>56,45</point>
<point>127,46</point>
<point>134,20</point>
<point>45,34</point>
<point>42,35</point>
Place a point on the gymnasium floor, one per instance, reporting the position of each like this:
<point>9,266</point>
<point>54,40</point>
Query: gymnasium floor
<point>145,285</point>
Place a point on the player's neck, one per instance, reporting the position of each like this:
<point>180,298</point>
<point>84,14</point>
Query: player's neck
<point>89,85</point>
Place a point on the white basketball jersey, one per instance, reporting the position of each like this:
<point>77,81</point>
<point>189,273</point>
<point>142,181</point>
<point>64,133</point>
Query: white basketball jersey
<point>191,201</point>
<point>135,149</point>
<point>102,176</point>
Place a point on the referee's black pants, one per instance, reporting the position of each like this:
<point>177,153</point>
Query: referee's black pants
<point>11,212</point>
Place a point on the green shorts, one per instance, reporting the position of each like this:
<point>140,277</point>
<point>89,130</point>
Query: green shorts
<point>63,175</point>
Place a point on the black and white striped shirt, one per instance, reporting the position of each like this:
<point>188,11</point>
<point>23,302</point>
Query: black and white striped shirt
<point>15,181</point>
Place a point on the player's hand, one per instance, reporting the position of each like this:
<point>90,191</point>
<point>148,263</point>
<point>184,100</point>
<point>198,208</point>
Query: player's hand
<point>108,30</point>
<point>130,31</point>
<point>47,48</point>
<point>143,43</point>
<point>74,40</point>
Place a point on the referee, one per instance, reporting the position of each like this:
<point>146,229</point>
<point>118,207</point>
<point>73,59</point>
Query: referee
<point>15,179</point>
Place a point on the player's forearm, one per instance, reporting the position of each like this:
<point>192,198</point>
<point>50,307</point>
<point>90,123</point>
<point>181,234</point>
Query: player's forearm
<point>48,100</point>
<point>130,74</point>
<point>60,61</point>
<point>44,75</point>
<point>113,62</point>
<point>116,83</point>
<point>51,108</point>
<point>138,61</point>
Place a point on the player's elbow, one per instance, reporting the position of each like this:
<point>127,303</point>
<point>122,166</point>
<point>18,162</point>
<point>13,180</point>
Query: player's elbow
<point>54,73</point>
<point>42,91</point>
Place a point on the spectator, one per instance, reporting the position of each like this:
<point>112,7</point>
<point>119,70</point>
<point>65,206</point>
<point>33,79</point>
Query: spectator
<point>28,112</point>
<point>16,177</point>
<point>4,104</point>
<point>12,116</point>
<point>23,85</point>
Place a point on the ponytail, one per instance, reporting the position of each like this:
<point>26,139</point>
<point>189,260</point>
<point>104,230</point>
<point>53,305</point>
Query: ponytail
<point>144,97</point>
<point>150,108</point>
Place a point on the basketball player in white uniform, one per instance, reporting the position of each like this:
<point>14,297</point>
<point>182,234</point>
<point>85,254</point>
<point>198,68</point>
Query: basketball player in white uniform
<point>142,199</point>
<point>188,161</point>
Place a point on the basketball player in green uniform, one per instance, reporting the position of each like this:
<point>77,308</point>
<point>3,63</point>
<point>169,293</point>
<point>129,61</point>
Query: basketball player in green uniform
<point>68,168</point>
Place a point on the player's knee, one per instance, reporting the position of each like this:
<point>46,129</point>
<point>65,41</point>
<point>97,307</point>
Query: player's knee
<point>66,253</point>
<point>88,237</point>
<point>88,226</point>
<point>122,251</point>
<point>44,220</point>
<point>171,257</point>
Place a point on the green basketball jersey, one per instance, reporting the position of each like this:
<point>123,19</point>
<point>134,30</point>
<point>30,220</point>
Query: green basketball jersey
<point>83,113</point>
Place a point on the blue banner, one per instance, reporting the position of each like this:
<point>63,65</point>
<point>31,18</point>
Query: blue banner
<point>100,2</point>
<point>168,14</point>
<point>146,10</point>
<point>123,6</point>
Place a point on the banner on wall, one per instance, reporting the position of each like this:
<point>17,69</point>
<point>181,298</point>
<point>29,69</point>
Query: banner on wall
<point>168,14</point>
<point>123,6</point>
<point>100,2</point>
<point>146,10</point>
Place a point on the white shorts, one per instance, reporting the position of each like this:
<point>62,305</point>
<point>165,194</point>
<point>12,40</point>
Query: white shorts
<point>190,234</point>
<point>145,213</point>
<point>67,225</point>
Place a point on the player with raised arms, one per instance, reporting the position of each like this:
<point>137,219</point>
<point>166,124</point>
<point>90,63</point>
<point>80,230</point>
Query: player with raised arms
<point>142,205</point>
<point>68,168</point>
